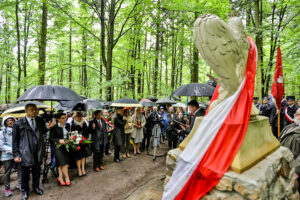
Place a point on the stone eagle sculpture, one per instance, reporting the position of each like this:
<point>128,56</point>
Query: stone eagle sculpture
<point>224,47</point>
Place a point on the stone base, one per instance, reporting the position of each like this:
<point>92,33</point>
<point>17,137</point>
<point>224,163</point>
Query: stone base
<point>271,178</point>
<point>257,144</point>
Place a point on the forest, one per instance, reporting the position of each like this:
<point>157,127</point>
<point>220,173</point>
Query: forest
<point>109,49</point>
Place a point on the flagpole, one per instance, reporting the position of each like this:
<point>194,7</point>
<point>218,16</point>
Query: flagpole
<point>278,116</point>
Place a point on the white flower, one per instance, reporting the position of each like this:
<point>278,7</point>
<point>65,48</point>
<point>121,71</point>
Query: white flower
<point>78,140</point>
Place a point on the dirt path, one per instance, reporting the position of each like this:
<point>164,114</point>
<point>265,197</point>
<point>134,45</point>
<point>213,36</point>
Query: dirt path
<point>135,178</point>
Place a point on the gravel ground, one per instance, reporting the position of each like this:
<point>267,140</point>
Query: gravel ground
<point>135,178</point>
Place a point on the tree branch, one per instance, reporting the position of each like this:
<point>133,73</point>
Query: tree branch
<point>89,31</point>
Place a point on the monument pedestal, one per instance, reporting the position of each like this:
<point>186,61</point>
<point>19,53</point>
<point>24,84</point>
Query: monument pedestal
<point>271,178</point>
<point>260,170</point>
<point>257,144</point>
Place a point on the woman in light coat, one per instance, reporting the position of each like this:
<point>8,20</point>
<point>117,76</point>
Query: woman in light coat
<point>7,155</point>
<point>138,121</point>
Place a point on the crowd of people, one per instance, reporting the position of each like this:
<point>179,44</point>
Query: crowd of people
<point>286,113</point>
<point>126,131</point>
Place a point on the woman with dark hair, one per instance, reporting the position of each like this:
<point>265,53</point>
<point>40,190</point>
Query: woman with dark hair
<point>79,124</point>
<point>59,135</point>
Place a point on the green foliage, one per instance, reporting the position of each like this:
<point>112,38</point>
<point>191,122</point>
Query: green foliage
<point>133,52</point>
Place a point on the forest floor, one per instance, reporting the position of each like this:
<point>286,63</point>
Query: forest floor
<point>135,178</point>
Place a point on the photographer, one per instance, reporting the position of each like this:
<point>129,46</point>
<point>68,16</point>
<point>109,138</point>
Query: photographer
<point>157,124</point>
<point>171,131</point>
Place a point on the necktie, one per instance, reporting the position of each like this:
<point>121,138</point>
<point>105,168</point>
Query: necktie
<point>100,125</point>
<point>32,124</point>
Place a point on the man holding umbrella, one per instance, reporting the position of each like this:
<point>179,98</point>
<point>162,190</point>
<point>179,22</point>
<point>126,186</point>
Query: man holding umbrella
<point>29,135</point>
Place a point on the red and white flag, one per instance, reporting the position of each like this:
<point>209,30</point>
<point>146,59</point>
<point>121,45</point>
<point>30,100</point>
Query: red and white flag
<point>217,140</point>
<point>278,82</point>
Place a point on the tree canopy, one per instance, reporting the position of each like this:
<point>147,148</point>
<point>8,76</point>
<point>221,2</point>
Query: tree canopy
<point>133,48</point>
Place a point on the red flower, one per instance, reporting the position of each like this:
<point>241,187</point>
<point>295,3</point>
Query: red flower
<point>83,138</point>
<point>78,148</point>
<point>80,142</point>
<point>72,137</point>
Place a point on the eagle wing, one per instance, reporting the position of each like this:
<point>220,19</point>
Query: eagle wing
<point>222,46</point>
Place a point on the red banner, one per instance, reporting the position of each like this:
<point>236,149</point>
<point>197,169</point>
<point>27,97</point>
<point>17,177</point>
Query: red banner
<point>278,82</point>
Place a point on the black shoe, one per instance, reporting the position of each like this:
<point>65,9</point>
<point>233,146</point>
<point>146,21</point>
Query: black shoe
<point>24,195</point>
<point>117,160</point>
<point>38,191</point>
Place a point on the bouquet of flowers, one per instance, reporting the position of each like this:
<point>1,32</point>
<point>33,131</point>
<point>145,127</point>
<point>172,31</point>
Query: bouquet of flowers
<point>74,141</point>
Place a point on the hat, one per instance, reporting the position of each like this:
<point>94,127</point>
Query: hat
<point>266,98</point>
<point>161,107</point>
<point>256,98</point>
<point>6,118</point>
<point>109,110</point>
<point>290,98</point>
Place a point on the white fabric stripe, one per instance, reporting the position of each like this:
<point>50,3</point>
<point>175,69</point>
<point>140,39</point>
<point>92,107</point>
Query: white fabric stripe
<point>288,116</point>
<point>194,151</point>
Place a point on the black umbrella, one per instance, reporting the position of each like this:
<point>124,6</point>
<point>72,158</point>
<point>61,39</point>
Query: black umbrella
<point>49,93</point>
<point>23,104</point>
<point>58,106</point>
<point>147,103</point>
<point>168,100</point>
<point>152,98</point>
<point>126,102</point>
<point>212,83</point>
<point>80,107</point>
<point>68,104</point>
<point>92,104</point>
<point>194,90</point>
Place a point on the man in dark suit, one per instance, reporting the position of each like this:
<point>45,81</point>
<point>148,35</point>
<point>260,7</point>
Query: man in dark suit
<point>29,135</point>
<point>196,111</point>
<point>98,131</point>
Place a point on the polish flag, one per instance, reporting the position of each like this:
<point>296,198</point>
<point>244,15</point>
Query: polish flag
<point>217,140</point>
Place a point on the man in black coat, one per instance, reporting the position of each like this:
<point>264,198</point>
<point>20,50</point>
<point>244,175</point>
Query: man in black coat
<point>29,135</point>
<point>265,108</point>
<point>118,134</point>
<point>196,111</point>
<point>289,110</point>
<point>98,131</point>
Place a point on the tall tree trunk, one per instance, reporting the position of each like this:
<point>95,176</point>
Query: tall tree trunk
<point>161,65</point>
<point>157,35</point>
<point>110,45</point>
<point>144,63</point>
<point>70,56</point>
<point>258,41</point>
<point>195,66</point>
<point>1,78</point>
<point>42,44</point>
<point>19,48</point>
<point>8,82</point>
<point>139,77</point>
<point>84,58</point>
<point>166,70</point>
<point>181,54</point>
<point>26,36</point>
